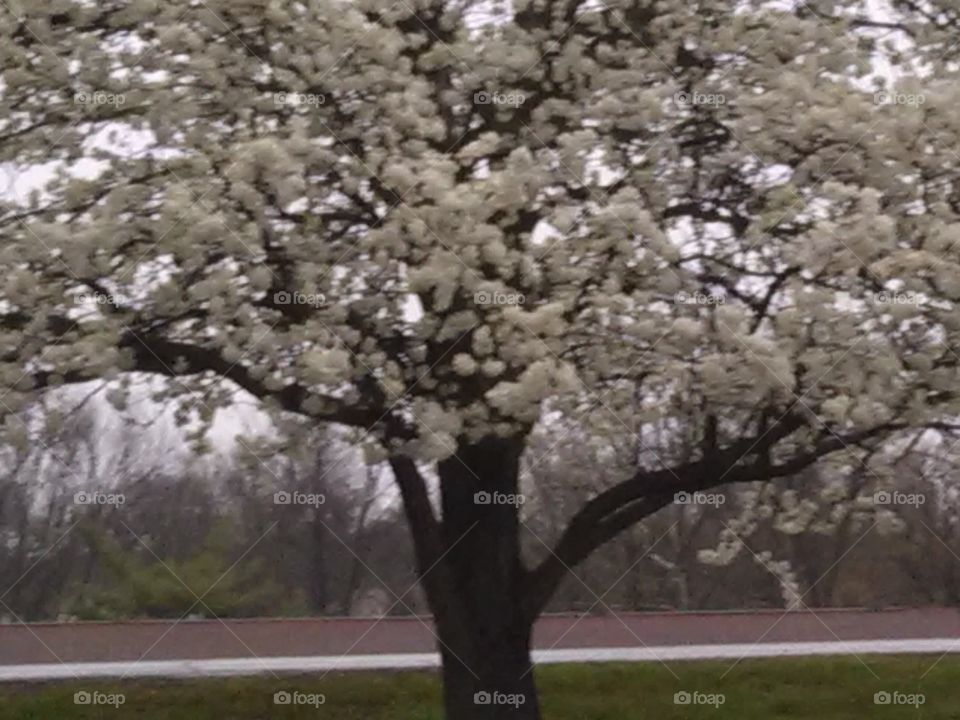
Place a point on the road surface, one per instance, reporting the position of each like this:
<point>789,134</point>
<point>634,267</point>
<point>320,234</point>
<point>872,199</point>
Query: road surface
<point>48,651</point>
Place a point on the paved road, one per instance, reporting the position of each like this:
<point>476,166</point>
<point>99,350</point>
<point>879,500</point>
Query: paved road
<point>408,661</point>
<point>210,647</point>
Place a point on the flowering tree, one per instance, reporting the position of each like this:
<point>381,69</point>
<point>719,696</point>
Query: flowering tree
<point>439,222</point>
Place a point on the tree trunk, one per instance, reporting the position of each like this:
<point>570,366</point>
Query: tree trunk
<point>497,687</point>
<point>482,619</point>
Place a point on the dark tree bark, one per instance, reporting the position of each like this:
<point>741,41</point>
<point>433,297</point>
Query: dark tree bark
<point>471,568</point>
<point>491,660</point>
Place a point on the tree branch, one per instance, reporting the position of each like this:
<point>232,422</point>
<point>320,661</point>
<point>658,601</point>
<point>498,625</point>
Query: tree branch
<point>629,502</point>
<point>424,526</point>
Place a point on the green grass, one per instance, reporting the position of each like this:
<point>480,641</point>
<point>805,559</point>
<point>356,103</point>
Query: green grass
<point>832,688</point>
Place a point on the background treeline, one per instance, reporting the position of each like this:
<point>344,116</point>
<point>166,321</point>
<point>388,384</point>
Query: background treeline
<point>202,535</point>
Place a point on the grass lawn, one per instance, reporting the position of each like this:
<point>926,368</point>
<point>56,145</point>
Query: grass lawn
<point>809,689</point>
